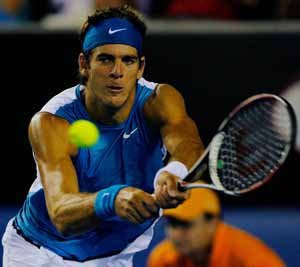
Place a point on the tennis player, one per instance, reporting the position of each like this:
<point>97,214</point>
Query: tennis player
<point>97,206</point>
<point>196,237</point>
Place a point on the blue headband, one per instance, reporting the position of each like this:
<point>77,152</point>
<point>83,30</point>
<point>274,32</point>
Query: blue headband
<point>113,31</point>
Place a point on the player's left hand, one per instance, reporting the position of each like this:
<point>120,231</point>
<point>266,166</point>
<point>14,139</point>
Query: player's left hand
<point>166,191</point>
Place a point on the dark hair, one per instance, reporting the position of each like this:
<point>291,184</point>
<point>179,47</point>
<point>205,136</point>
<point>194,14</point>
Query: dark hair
<point>175,222</point>
<point>124,12</point>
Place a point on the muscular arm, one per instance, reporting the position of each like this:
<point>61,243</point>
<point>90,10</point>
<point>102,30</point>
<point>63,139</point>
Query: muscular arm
<point>71,212</point>
<point>166,110</point>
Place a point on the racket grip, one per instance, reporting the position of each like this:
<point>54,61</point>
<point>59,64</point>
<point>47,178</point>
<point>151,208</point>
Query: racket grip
<point>196,173</point>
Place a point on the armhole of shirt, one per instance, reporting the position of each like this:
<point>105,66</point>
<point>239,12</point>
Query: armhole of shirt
<point>149,86</point>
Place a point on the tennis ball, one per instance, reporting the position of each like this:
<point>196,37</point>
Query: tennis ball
<point>83,133</point>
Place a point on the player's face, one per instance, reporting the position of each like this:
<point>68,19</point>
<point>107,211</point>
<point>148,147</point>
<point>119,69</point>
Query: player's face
<point>192,240</point>
<point>112,74</point>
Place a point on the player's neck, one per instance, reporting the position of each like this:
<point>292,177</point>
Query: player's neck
<point>105,114</point>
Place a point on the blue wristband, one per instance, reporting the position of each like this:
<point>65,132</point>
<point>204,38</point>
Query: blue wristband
<point>105,201</point>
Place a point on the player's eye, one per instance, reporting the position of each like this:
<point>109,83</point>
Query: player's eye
<point>129,60</point>
<point>105,59</point>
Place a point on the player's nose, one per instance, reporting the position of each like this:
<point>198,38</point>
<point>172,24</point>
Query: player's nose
<point>117,69</point>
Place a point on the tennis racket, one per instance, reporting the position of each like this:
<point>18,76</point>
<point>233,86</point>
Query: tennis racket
<point>249,147</point>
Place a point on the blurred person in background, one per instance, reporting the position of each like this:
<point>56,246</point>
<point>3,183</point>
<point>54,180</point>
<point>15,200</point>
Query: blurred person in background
<point>288,9</point>
<point>213,9</point>
<point>99,4</point>
<point>38,9</point>
<point>11,11</point>
<point>196,236</point>
<point>225,9</point>
<point>143,6</point>
<point>71,13</point>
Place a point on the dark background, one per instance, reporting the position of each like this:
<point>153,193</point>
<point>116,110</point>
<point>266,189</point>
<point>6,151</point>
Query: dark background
<point>213,71</point>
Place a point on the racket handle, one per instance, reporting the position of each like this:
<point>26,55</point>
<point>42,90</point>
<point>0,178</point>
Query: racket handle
<point>197,173</point>
<point>187,186</point>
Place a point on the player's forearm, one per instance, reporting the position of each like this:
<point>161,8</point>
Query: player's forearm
<point>187,152</point>
<point>183,142</point>
<point>74,213</point>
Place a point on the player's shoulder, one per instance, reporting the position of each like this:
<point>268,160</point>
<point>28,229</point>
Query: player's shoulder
<point>164,105</point>
<point>51,131</point>
<point>63,98</point>
<point>47,124</point>
<point>147,84</point>
<point>167,90</point>
<point>43,118</point>
<point>163,96</point>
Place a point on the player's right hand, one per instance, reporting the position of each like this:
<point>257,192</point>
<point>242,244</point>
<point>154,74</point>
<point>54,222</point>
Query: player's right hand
<point>166,191</point>
<point>135,205</point>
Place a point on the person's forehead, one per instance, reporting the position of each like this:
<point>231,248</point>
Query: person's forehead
<point>116,50</point>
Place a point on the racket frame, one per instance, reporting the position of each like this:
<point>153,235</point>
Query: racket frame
<point>210,154</point>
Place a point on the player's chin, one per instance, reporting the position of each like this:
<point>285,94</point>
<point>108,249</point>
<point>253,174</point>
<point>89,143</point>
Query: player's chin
<point>117,102</point>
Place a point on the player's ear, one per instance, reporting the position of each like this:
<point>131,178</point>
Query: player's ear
<point>83,65</point>
<point>142,63</point>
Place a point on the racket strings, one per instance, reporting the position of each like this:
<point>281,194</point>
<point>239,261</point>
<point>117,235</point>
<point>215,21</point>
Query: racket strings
<point>278,120</point>
<point>254,144</point>
<point>262,149</point>
<point>266,124</point>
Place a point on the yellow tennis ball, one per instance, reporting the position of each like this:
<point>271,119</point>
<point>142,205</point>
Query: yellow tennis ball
<point>83,133</point>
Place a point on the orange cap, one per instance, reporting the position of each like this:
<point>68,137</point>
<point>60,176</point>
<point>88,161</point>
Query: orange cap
<point>201,200</point>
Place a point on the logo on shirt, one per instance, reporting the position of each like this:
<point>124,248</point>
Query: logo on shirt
<point>110,31</point>
<point>126,136</point>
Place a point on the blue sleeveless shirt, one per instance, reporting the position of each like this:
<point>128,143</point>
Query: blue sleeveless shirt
<point>129,153</point>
